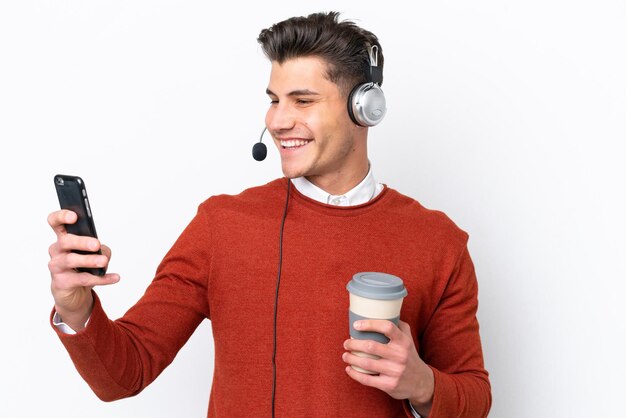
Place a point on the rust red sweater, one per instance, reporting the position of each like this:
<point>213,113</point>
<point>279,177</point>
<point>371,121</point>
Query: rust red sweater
<point>224,267</point>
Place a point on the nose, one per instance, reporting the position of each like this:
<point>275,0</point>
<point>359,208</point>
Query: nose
<point>279,118</point>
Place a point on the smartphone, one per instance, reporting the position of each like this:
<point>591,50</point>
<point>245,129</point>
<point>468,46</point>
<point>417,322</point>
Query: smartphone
<point>72,195</point>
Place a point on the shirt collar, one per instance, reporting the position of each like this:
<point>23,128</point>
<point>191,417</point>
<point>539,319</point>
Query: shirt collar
<point>363,192</point>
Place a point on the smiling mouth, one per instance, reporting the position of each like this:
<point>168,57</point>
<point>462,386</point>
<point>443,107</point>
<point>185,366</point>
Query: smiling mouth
<point>293,143</point>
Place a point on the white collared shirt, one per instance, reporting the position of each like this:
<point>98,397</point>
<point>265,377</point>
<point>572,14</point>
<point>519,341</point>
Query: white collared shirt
<point>363,192</point>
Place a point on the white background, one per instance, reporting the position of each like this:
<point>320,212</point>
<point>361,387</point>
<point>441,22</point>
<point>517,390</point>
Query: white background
<point>508,116</point>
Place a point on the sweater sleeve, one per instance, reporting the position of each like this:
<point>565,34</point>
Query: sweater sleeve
<point>451,346</point>
<point>120,358</point>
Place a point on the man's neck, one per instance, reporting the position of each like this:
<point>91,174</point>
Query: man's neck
<point>340,183</point>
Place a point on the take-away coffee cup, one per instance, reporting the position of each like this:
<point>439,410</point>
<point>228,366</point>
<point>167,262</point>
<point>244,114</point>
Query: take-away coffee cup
<point>374,295</point>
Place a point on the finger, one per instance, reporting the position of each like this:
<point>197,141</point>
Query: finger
<point>380,381</point>
<point>364,362</point>
<point>366,346</point>
<point>54,249</point>
<point>376,365</point>
<point>71,242</point>
<point>74,280</point>
<point>57,220</point>
<point>382,326</point>
<point>68,242</point>
<point>70,261</point>
<point>75,260</point>
<point>362,378</point>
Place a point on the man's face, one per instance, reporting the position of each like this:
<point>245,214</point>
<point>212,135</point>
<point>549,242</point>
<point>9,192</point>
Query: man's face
<point>310,125</point>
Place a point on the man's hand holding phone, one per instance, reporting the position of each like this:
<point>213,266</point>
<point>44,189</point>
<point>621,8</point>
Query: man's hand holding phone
<point>71,288</point>
<point>78,261</point>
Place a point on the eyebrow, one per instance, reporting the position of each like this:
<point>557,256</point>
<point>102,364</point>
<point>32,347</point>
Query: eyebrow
<point>301,92</point>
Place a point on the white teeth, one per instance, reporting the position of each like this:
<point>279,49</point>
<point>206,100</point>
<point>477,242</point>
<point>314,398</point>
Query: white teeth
<point>293,143</point>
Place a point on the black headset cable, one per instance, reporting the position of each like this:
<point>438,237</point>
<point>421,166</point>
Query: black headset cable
<point>280,264</point>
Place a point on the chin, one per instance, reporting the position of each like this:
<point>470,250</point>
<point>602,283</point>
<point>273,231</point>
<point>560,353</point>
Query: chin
<point>293,172</point>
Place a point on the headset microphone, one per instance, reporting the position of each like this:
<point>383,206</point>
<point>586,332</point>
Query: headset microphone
<point>259,150</point>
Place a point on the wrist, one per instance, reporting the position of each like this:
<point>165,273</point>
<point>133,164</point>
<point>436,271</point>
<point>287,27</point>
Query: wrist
<point>422,399</point>
<point>74,322</point>
<point>75,319</point>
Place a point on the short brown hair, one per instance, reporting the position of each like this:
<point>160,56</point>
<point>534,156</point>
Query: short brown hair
<point>343,45</point>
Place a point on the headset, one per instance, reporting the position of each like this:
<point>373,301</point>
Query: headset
<point>366,103</point>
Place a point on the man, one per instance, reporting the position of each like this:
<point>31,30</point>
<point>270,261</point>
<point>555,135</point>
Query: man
<point>280,333</point>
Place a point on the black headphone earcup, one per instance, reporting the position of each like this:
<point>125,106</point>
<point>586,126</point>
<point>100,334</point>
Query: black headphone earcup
<point>367,105</point>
